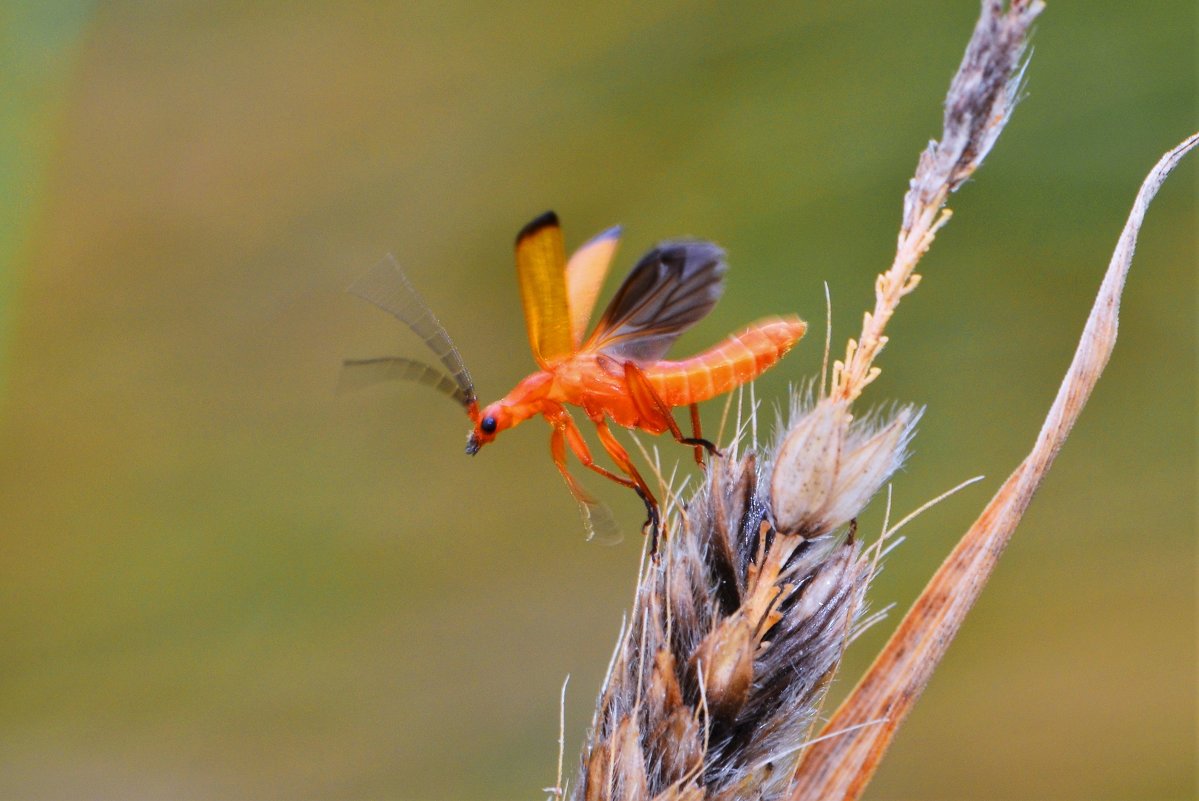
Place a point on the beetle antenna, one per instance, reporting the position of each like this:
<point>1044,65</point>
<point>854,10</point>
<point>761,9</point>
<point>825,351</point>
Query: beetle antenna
<point>386,286</point>
<point>359,373</point>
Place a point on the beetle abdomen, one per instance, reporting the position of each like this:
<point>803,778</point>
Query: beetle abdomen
<point>740,358</point>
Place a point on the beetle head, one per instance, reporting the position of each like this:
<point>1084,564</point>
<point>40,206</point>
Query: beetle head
<point>489,422</point>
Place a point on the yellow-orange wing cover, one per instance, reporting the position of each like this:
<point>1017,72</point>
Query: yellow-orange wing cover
<point>541,270</point>
<point>585,273</point>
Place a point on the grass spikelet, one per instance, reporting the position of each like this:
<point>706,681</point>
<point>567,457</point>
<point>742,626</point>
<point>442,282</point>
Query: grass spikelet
<point>740,623</point>
<point>841,767</point>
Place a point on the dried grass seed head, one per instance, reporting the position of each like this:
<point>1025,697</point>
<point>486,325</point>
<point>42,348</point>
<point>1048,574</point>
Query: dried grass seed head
<point>827,466</point>
<point>734,638</point>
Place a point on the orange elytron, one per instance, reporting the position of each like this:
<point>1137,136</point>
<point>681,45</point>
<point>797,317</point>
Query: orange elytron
<point>617,373</point>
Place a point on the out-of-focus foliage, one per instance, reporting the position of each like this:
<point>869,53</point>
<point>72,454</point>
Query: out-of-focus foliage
<point>37,43</point>
<point>222,580</point>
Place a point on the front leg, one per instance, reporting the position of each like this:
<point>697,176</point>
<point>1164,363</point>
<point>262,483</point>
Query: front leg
<point>596,517</point>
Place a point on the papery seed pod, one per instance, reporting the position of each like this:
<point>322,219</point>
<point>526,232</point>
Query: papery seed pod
<point>629,778</point>
<point>678,742</point>
<point>687,792</point>
<point>595,776</point>
<point>828,466</point>
<point>805,468</point>
<point>663,694</point>
<point>867,461</point>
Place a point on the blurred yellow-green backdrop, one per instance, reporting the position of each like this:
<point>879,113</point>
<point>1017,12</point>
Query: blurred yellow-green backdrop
<point>222,580</point>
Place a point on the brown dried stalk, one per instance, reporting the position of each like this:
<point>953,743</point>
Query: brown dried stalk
<point>738,628</point>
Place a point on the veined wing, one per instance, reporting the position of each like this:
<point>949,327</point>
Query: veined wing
<point>671,289</point>
<point>585,273</point>
<point>541,270</point>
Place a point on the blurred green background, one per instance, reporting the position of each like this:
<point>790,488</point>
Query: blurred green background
<point>221,580</point>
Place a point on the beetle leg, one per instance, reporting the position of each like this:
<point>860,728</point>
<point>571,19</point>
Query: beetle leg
<point>696,435</point>
<point>596,518</point>
<point>621,457</point>
<point>558,449</point>
<point>566,428</point>
<point>651,407</point>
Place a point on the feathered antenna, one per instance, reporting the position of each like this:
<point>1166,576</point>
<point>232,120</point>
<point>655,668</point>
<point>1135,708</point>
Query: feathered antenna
<point>386,286</point>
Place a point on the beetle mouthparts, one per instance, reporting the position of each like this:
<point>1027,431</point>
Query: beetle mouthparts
<point>472,444</point>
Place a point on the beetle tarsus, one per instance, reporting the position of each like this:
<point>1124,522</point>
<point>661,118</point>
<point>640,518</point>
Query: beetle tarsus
<point>653,521</point>
<point>702,443</point>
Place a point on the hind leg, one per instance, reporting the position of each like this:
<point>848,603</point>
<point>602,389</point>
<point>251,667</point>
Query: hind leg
<point>651,407</point>
<point>697,436</point>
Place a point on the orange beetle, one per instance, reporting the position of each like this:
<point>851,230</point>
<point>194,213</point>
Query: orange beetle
<point>615,373</point>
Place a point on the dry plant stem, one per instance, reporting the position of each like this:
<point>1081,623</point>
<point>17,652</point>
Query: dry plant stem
<point>840,767</point>
<point>977,107</point>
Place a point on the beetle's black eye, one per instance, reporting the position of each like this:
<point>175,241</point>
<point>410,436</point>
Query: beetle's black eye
<point>488,425</point>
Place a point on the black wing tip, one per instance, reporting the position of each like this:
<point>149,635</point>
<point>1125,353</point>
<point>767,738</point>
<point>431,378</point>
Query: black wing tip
<point>545,220</point>
<point>698,246</point>
<point>690,255</point>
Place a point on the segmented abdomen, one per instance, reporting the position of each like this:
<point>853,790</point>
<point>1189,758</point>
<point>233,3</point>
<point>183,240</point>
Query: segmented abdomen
<point>740,358</point>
